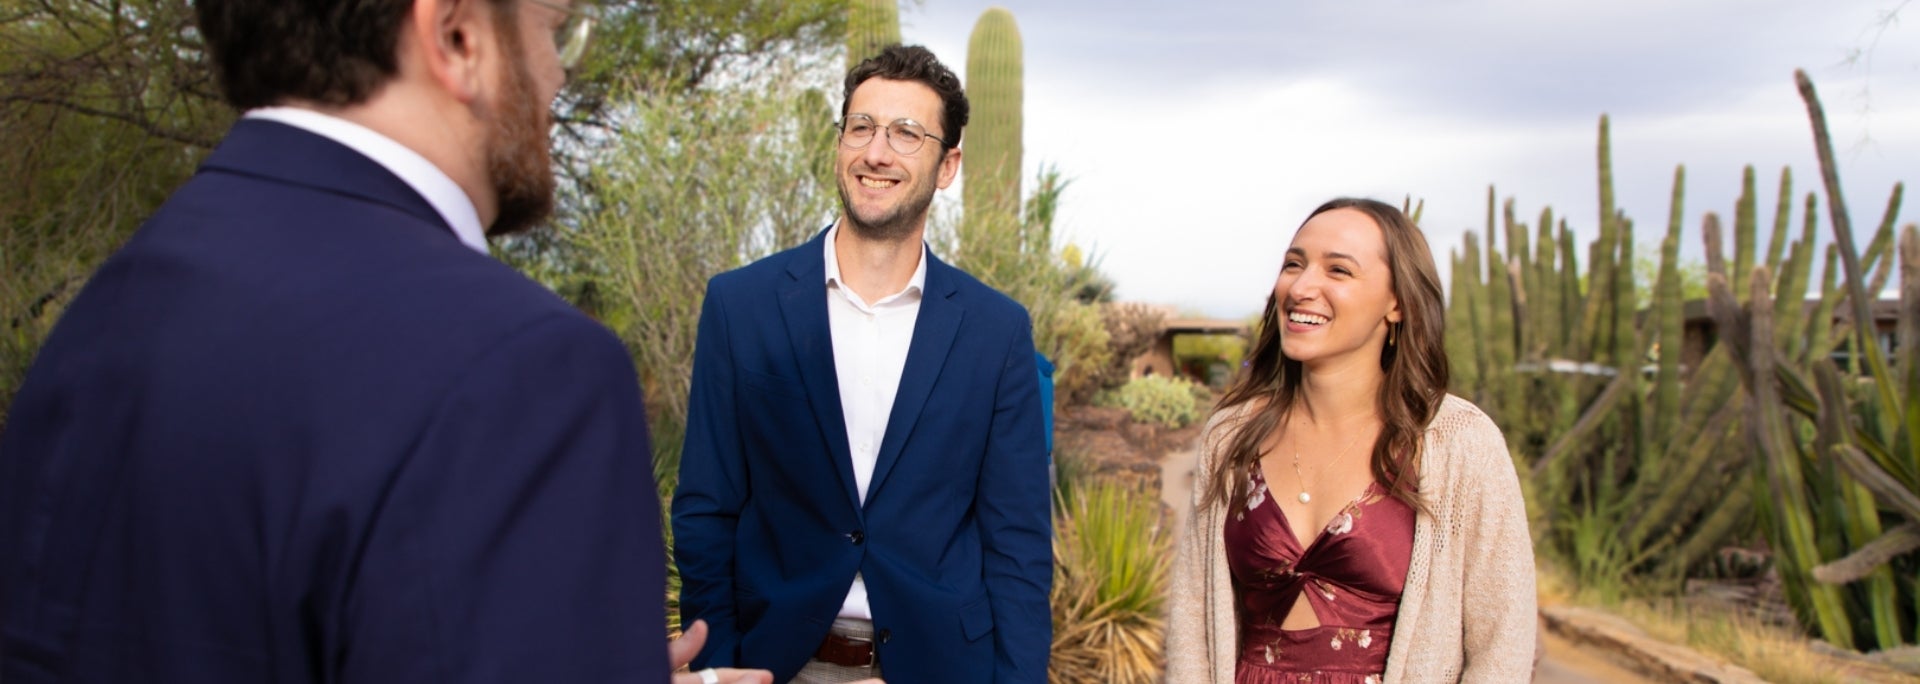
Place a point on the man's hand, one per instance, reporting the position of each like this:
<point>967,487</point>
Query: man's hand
<point>683,649</point>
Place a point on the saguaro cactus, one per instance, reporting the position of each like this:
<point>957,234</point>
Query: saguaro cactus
<point>871,25</point>
<point>991,189</point>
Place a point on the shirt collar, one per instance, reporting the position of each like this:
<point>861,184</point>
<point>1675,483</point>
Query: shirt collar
<point>918,283</point>
<point>446,197</point>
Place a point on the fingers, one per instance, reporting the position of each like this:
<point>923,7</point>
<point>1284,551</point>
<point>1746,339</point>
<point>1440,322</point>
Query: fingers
<point>728,675</point>
<point>683,649</point>
<point>732,676</point>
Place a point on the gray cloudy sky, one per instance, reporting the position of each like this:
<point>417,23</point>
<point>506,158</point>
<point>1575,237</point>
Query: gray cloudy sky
<point>1198,134</point>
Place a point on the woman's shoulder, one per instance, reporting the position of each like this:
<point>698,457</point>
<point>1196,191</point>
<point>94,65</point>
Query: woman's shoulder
<point>1222,424</point>
<point>1457,416</point>
<point>1465,432</point>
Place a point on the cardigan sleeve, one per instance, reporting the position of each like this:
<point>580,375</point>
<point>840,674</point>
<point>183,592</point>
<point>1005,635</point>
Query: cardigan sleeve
<point>1500,619</point>
<point>1189,645</point>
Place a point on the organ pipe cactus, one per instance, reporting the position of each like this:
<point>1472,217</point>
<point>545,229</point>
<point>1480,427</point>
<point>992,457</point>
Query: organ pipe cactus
<point>1841,506</point>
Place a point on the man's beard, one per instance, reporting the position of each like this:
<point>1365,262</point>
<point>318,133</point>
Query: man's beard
<point>892,226</point>
<point>519,163</point>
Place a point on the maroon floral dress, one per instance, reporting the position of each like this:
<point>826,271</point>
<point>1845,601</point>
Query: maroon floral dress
<point>1352,575</point>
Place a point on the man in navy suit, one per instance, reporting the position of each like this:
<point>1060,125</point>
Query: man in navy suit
<point>301,428</point>
<point>864,481</point>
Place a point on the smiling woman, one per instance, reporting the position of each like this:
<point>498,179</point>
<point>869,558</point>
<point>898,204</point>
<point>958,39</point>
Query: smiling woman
<point>1360,577</point>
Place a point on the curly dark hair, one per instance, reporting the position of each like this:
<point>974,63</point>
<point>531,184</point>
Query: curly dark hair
<point>917,64</point>
<point>332,52</point>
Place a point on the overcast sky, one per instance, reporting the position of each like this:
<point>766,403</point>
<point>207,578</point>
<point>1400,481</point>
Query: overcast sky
<point>1198,134</point>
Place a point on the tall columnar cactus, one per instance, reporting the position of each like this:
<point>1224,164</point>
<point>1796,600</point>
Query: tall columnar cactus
<point>1842,506</point>
<point>871,25</point>
<point>1745,214</point>
<point>1665,407</point>
<point>1474,298</point>
<point>1640,468</point>
<point>1600,269</point>
<point>1517,268</point>
<point>1782,216</point>
<point>1544,290</point>
<point>991,186</point>
<point>1460,335</point>
<point>1572,302</point>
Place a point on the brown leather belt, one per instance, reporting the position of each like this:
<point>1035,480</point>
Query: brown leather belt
<point>845,651</point>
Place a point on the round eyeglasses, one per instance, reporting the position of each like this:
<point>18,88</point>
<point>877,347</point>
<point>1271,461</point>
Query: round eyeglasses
<point>570,38</point>
<point>905,136</point>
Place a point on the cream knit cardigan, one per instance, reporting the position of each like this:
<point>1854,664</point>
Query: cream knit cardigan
<point>1468,612</point>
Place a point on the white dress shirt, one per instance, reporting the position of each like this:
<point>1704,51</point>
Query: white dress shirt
<point>870,344</point>
<point>433,184</point>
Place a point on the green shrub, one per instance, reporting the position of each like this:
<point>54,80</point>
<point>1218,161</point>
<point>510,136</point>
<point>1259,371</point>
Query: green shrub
<point>1075,339</point>
<point>1111,564</point>
<point>1156,399</point>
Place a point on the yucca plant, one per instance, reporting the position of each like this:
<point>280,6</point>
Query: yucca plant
<point>1111,560</point>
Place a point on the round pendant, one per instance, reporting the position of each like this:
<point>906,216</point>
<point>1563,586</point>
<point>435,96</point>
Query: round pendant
<point>1304,498</point>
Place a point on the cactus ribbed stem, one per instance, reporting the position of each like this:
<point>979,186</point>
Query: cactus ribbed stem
<point>1782,216</point>
<point>871,26</point>
<point>990,191</point>
<point>1571,301</point>
<point>1460,338</point>
<point>1544,291</point>
<point>1744,219</point>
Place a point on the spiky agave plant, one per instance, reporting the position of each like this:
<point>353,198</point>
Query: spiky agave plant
<point>1111,562</point>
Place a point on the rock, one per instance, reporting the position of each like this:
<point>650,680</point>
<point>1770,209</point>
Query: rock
<point>1629,644</point>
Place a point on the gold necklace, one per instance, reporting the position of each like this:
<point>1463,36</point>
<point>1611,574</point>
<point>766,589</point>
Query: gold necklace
<point>1304,496</point>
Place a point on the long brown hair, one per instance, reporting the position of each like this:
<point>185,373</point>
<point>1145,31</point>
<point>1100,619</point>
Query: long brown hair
<point>1415,368</point>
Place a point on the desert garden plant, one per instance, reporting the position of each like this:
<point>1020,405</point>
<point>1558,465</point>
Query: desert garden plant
<point>1111,559</point>
<point>1157,399</point>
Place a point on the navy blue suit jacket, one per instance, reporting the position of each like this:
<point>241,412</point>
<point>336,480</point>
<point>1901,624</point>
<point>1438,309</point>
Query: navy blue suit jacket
<point>295,431</point>
<point>953,538</point>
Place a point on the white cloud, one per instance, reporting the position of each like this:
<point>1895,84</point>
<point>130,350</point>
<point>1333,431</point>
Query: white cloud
<point>1199,135</point>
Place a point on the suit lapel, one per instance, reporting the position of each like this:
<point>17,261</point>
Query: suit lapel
<point>803,304</point>
<point>933,333</point>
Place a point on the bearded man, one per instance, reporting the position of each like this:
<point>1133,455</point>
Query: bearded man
<point>864,481</point>
<point>302,428</point>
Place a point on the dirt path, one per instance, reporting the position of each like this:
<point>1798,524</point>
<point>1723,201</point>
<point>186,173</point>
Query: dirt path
<point>1564,663</point>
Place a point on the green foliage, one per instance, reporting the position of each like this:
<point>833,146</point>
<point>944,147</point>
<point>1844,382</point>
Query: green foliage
<point>698,183</point>
<point>1161,400</point>
<point>1840,461</point>
<point>1076,341</point>
<point>1209,351</point>
<point>103,111</point>
<point>1111,564</point>
<point>1085,282</point>
<point>1624,465</point>
<point>114,102</point>
<point>1691,276</point>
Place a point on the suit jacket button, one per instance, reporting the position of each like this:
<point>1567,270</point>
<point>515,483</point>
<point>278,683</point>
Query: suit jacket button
<point>885,635</point>
<point>857,537</point>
